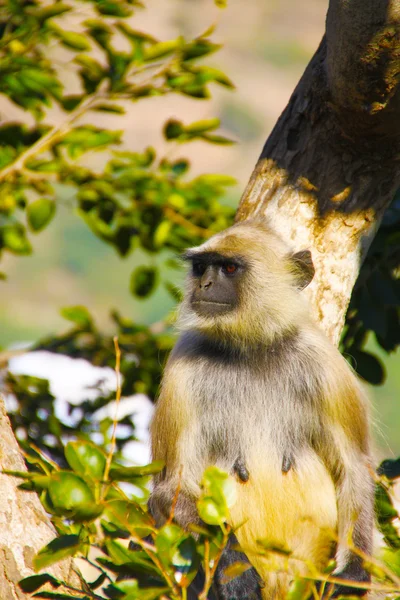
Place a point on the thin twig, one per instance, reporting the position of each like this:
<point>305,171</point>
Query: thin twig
<point>151,552</point>
<point>175,500</point>
<point>180,220</point>
<point>53,135</point>
<point>117,401</point>
<point>209,573</point>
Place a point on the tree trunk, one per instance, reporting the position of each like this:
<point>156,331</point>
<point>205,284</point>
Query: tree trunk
<point>332,163</point>
<point>24,526</point>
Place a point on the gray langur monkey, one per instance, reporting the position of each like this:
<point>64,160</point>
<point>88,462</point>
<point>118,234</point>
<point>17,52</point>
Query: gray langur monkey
<point>254,387</point>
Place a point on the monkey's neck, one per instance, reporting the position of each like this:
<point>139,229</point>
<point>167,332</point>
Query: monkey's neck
<point>202,344</point>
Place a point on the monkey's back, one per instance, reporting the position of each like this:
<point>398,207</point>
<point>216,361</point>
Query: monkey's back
<point>212,412</point>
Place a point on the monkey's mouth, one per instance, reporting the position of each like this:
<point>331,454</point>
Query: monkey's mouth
<point>211,302</point>
<point>211,308</point>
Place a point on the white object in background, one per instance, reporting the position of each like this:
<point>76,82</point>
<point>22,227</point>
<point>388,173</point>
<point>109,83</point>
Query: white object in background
<point>73,380</point>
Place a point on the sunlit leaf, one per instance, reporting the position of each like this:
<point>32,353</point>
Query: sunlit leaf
<point>58,549</point>
<point>40,212</point>
<point>77,314</point>
<point>161,49</point>
<point>86,459</point>
<point>34,582</point>
<point>144,281</point>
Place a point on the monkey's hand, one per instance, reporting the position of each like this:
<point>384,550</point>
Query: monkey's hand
<point>287,463</point>
<point>241,470</point>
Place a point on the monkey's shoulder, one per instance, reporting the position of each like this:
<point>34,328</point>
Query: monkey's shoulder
<point>290,357</point>
<point>196,348</point>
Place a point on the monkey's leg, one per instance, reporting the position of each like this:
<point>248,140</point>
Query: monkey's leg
<point>356,517</point>
<point>244,587</point>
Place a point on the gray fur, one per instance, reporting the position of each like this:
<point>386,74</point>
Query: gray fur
<point>265,380</point>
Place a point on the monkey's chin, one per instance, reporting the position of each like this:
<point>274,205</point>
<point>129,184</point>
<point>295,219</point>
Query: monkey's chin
<point>209,308</point>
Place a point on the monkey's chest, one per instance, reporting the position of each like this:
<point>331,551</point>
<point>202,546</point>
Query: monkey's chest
<point>239,410</point>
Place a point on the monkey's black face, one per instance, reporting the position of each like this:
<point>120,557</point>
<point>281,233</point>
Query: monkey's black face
<point>215,283</point>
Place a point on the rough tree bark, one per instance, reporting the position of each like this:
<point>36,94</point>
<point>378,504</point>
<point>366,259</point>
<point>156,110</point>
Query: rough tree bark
<point>332,163</point>
<point>24,525</point>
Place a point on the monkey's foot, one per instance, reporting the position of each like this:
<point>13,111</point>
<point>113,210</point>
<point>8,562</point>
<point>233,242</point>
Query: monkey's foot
<point>361,576</point>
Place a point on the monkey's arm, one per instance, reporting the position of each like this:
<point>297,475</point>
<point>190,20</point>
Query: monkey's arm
<point>352,472</point>
<point>171,442</point>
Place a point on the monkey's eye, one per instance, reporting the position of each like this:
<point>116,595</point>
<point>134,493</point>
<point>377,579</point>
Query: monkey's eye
<point>229,268</point>
<point>199,269</point>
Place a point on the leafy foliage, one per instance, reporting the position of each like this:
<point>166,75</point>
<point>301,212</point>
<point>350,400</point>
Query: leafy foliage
<point>134,558</point>
<point>90,509</point>
<point>375,302</point>
<point>129,202</point>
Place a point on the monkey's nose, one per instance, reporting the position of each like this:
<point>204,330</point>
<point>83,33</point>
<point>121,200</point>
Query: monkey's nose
<point>206,285</point>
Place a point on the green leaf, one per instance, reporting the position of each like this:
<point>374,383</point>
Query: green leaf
<point>211,512</point>
<point>369,366</point>
<point>199,47</point>
<point>93,67</point>
<point>112,8</point>
<point>161,49</point>
<point>39,81</point>
<point>299,589</point>
<point>59,596</point>
<point>121,473</point>
<point>221,3</point>
<point>216,179</point>
<point>111,108</point>
<point>201,126</point>
<point>34,582</point>
<point>147,594</point>
<point>129,516</point>
<point>390,468</point>
<point>14,239</point>
<point>173,129</point>
<point>217,139</point>
<point>144,281</point>
<point>40,212</point>
<point>84,138</point>
<point>36,481</point>
<point>218,494</point>
<point>86,459</point>
<point>235,570</point>
<point>7,155</point>
<point>43,166</point>
<point>58,549</point>
<point>274,547</point>
<point>53,10</point>
<point>77,314</point>
<point>72,497</point>
<point>161,233</point>
<point>71,39</point>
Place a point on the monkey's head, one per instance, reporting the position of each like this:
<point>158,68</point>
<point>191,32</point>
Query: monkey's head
<point>244,285</point>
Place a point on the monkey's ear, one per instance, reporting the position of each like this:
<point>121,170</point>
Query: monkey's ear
<point>304,268</point>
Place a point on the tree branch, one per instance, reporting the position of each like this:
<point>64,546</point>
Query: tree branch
<point>363,64</point>
<point>331,166</point>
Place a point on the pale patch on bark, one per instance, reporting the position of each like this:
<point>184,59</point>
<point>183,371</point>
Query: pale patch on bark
<point>338,242</point>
